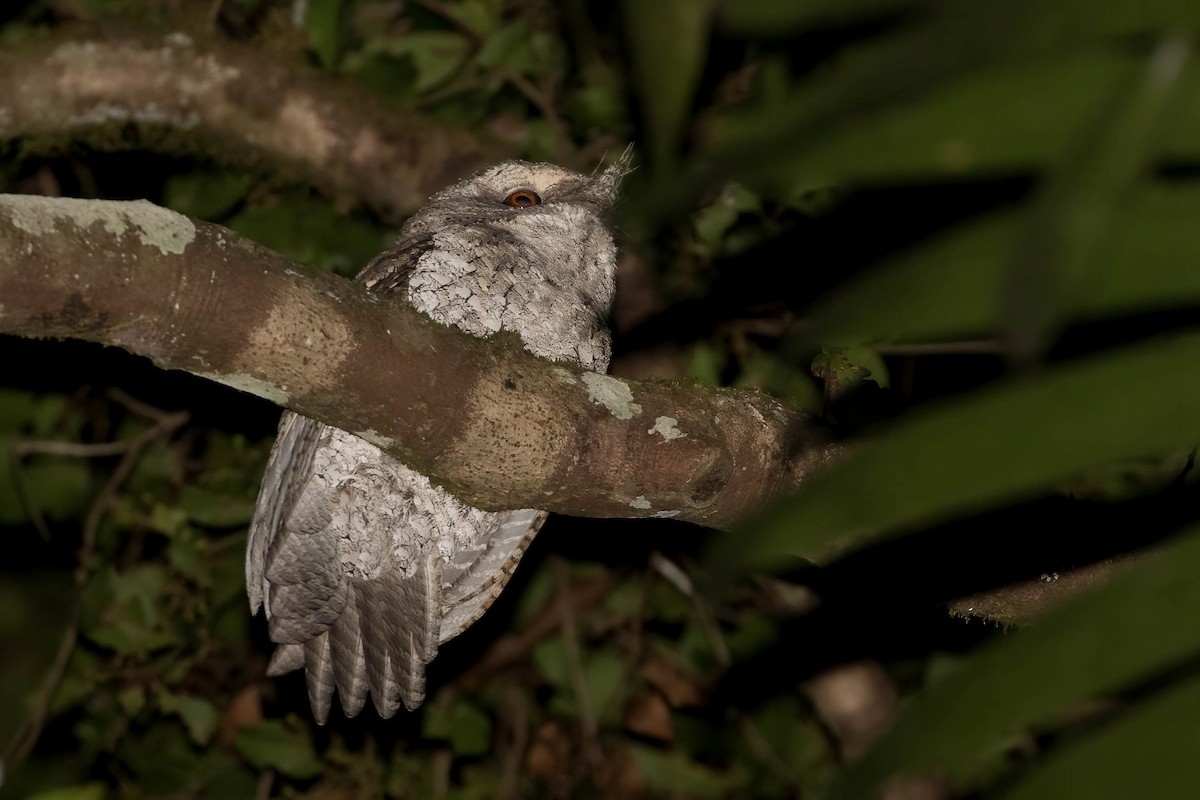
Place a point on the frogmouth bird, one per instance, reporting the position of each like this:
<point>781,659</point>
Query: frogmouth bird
<point>362,566</point>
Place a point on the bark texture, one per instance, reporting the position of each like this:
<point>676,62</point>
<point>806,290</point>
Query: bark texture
<point>231,101</point>
<point>496,426</point>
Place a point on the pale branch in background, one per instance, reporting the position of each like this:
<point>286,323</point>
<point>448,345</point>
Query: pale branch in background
<point>231,101</point>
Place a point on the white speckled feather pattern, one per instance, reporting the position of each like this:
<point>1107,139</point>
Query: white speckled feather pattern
<point>362,566</point>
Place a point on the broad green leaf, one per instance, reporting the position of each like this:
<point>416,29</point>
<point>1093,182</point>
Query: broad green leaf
<point>273,744</point>
<point>606,676</point>
<point>162,762</point>
<point>17,408</point>
<point>87,791</point>
<point>677,775</point>
<point>59,488</point>
<point>36,606</point>
<point>125,611</point>
<point>935,52</point>
<point>1003,444</point>
<point>215,509</point>
<point>437,55</point>
<point>668,42</point>
<point>326,27</point>
<point>508,47</point>
<point>311,232</point>
<point>770,372</point>
<point>550,659</point>
<point>206,194</point>
<point>1137,627</point>
<point>1009,117</point>
<point>712,222</point>
<point>168,520</point>
<point>132,700</point>
<point>463,725</point>
<point>1150,752</point>
<point>186,557</point>
<point>198,715</point>
<point>706,362</point>
<point>1075,215</point>
<point>950,284</point>
<point>480,16</point>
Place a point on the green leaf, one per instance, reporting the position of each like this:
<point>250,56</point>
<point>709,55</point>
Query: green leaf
<point>437,55</point>
<point>668,43</point>
<point>199,716</point>
<point>215,509</point>
<point>184,555</point>
<point>17,407</point>
<point>480,16</point>
<point>463,725</point>
<point>606,677</point>
<point>87,791</point>
<point>132,699</point>
<point>162,762</point>
<point>168,520</point>
<point>712,222</point>
<point>674,773</point>
<point>950,283</point>
<point>125,610</point>
<point>1010,117</point>
<point>311,232</point>
<point>60,488</point>
<point>1003,444</point>
<point>206,194</point>
<point>1133,629</point>
<point>1075,215</point>
<point>272,744</point>
<point>325,23</point>
<point>706,362</point>
<point>550,659</point>
<point>846,367</point>
<point>939,50</point>
<point>508,47</point>
<point>1149,752</point>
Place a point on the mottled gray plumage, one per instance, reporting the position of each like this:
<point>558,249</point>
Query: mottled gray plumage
<point>363,567</point>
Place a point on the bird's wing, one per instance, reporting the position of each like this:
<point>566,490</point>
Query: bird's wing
<point>475,576</point>
<point>289,465</point>
<point>356,634</point>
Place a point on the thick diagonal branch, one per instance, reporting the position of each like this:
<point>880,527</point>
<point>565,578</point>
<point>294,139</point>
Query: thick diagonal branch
<point>497,426</point>
<point>231,101</point>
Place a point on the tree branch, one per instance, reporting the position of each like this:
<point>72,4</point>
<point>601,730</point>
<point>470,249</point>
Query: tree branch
<point>495,425</point>
<point>230,100</point>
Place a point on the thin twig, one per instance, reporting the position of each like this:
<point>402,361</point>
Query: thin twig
<point>165,422</point>
<point>263,790</point>
<point>23,741</point>
<point>514,755</point>
<point>443,761</point>
<point>761,748</point>
<point>573,655</point>
<point>131,403</point>
<point>675,576</point>
<point>512,647</point>
<point>546,106</point>
<point>72,449</point>
<point>26,494</point>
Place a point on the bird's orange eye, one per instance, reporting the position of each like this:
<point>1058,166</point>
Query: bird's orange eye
<point>523,198</point>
